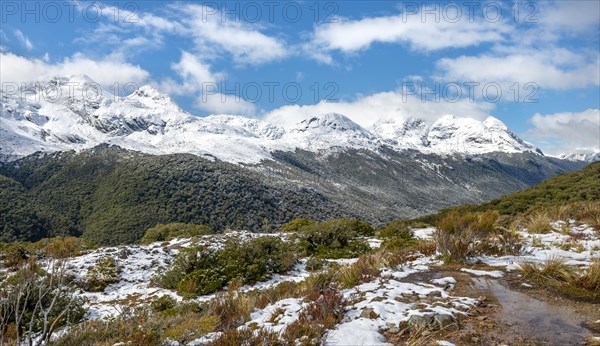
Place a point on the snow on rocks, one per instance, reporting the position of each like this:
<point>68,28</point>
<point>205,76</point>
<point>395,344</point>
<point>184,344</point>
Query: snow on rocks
<point>578,245</point>
<point>387,302</point>
<point>424,233</point>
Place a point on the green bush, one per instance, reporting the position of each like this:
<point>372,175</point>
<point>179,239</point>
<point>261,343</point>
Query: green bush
<point>200,270</point>
<point>163,303</point>
<point>396,228</point>
<point>315,264</point>
<point>398,243</point>
<point>105,272</point>
<point>335,238</point>
<point>166,232</point>
<point>295,225</point>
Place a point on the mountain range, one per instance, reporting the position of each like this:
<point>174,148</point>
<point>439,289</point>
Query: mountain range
<point>63,113</point>
<point>80,161</point>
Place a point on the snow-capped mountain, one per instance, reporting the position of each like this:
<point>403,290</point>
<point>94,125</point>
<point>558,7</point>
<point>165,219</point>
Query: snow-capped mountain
<point>63,113</point>
<point>586,157</point>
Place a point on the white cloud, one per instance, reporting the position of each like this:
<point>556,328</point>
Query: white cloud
<point>218,103</point>
<point>242,40</point>
<point>552,68</point>
<point>210,32</point>
<point>365,110</point>
<point>23,39</point>
<point>194,75</point>
<point>106,71</point>
<point>574,16</point>
<point>567,132</point>
<point>197,79</point>
<point>426,34</point>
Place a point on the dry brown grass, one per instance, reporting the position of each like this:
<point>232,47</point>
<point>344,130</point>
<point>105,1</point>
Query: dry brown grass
<point>458,235</point>
<point>555,275</point>
<point>539,222</point>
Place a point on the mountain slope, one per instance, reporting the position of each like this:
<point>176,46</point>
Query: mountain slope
<point>580,185</point>
<point>73,113</point>
<point>112,195</point>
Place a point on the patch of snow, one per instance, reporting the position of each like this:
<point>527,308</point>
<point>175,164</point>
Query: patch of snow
<point>493,273</point>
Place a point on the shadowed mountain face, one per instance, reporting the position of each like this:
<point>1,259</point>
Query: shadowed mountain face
<point>112,195</point>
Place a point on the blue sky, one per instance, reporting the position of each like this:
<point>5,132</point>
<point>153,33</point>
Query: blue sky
<point>367,56</point>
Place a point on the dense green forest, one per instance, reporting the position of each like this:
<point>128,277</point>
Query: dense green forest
<point>112,196</point>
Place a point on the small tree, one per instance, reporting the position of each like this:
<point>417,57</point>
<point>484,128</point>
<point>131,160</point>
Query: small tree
<point>34,302</point>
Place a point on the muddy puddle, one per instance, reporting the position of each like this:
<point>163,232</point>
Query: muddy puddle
<point>520,316</point>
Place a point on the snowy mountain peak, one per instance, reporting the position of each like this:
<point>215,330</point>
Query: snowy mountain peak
<point>150,121</point>
<point>582,156</point>
<point>330,122</point>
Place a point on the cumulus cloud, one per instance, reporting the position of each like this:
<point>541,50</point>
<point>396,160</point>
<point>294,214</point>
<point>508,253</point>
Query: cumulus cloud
<point>218,103</point>
<point>205,26</point>
<point>193,74</point>
<point>365,110</point>
<point>552,68</point>
<point>105,71</point>
<point>567,132</point>
<point>420,33</point>
<point>243,41</point>
<point>197,79</point>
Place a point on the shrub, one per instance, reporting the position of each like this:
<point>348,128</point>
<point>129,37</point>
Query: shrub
<point>36,300</point>
<point>365,269</point>
<point>396,229</point>
<point>14,254</point>
<point>201,270</point>
<point>163,303</point>
<point>335,238</point>
<point>314,264</point>
<point>295,225</point>
<point>103,273</point>
<point>321,314</point>
<point>233,308</point>
<point>64,247</point>
<point>166,232</point>
<point>458,236</point>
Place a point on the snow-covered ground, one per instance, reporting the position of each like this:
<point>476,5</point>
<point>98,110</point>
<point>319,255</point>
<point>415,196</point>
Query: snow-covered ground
<point>138,263</point>
<point>373,307</point>
<point>578,245</point>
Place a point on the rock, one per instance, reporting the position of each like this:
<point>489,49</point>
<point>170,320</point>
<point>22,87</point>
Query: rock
<point>433,294</point>
<point>369,313</point>
<point>433,322</point>
<point>124,253</point>
<point>394,330</point>
<point>446,322</point>
<point>420,322</point>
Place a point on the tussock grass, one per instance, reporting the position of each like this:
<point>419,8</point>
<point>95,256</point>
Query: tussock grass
<point>555,275</point>
<point>539,222</point>
<point>459,236</point>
